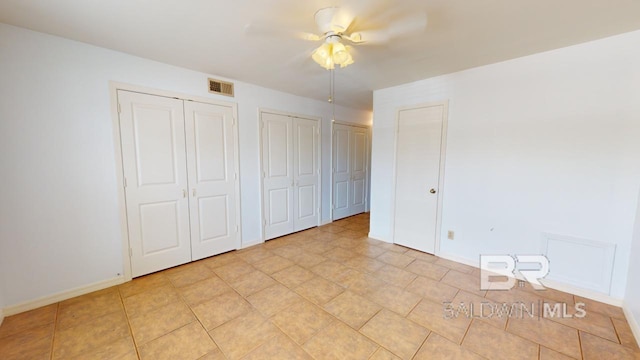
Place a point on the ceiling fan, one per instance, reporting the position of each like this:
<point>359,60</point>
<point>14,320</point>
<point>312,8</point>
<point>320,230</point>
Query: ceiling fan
<point>337,27</point>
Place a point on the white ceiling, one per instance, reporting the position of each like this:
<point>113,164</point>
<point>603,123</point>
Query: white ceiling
<point>209,36</point>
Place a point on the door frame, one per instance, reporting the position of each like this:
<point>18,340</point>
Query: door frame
<point>443,153</point>
<point>114,86</point>
<point>367,161</point>
<point>318,192</point>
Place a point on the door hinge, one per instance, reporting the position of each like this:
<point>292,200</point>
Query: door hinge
<point>130,252</point>
<point>235,176</point>
<point>233,121</point>
<point>125,182</point>
<point>119,108</point>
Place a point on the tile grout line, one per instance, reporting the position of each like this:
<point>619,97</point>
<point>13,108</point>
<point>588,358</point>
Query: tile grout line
<point>126,314</point>
<point>465,335</point>
<point>197,319</point>
<point>55,326</point>
<point>580,343</point>
<point>422,343</point>
<point>466,332</point>
<point>615,329</point>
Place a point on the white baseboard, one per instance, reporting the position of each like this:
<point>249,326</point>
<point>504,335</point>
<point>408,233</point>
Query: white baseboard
<point>246,244</point>
<point>459,259</point>
<point>589,294</point>
<point>633,322</point>
<point>64,295</point>
<point>379,237</point>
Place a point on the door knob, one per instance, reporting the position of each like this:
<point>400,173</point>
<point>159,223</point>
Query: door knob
<point>433,191</point>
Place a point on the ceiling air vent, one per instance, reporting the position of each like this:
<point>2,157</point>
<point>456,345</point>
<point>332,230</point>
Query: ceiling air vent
<point>220,87</point>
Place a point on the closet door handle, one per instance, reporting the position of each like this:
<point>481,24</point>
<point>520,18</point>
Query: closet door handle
<point>193,192</point>
<point>184,193</point>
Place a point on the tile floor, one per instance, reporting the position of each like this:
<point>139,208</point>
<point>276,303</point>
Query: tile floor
<point>325,293</point>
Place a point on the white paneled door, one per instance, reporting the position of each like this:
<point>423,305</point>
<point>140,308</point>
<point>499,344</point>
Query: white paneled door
<point>179,177</point>
<point>290,170</point>
<point>418,164</point>
<point>341,171</point>
<point>306,171</point>
<point>350,149</point>
<point>358,198</point>
<point>154,160</point>
<point>212,178</point>
<point>277,168</point>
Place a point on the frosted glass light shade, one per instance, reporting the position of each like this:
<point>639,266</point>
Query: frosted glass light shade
<point>329,54</point>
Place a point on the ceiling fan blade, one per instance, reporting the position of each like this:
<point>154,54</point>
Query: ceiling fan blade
<point>369,37</point>
<point>342,18</point>
<point>333,19</point>
<point>408,25</point>
<point>411,24</point>
<point>308,36</point>
<point>351,9</point>
<point>275,30</point>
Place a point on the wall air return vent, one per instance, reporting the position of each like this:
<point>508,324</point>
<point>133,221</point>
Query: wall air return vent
<point>220,87</point>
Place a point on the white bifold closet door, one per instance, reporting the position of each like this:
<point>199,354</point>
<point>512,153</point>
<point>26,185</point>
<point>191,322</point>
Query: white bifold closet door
<point>212,178</point>
<point>291,174</point>
<point>179,167</point>
<point>350,149</point>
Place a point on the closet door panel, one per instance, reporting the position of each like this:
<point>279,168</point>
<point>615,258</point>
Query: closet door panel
<point>358,170</point>
<point>306,173</point>
<point>154,164</point>
<point>277,171</point>
<point>342,187</point>
<point>212,178</point>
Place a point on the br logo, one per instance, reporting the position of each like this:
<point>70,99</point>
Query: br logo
<point>499,272</point>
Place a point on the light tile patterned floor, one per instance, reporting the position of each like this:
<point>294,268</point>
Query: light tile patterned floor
<point>325,293</point>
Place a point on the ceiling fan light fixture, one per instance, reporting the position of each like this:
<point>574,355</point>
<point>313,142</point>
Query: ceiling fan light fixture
<point>323,56</point>
<point>332,52</point>
<point>339,53</point>
<point>348,61</point>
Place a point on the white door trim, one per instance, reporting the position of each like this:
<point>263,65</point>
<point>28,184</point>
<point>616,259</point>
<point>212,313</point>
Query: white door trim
<point>115,119</point>
<point>319,191</point>
<point>443,148</point>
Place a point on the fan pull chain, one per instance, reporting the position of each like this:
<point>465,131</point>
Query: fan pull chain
<point>332,93</point>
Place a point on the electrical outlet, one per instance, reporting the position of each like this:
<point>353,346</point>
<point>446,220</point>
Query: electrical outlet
<point>450,235</point>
